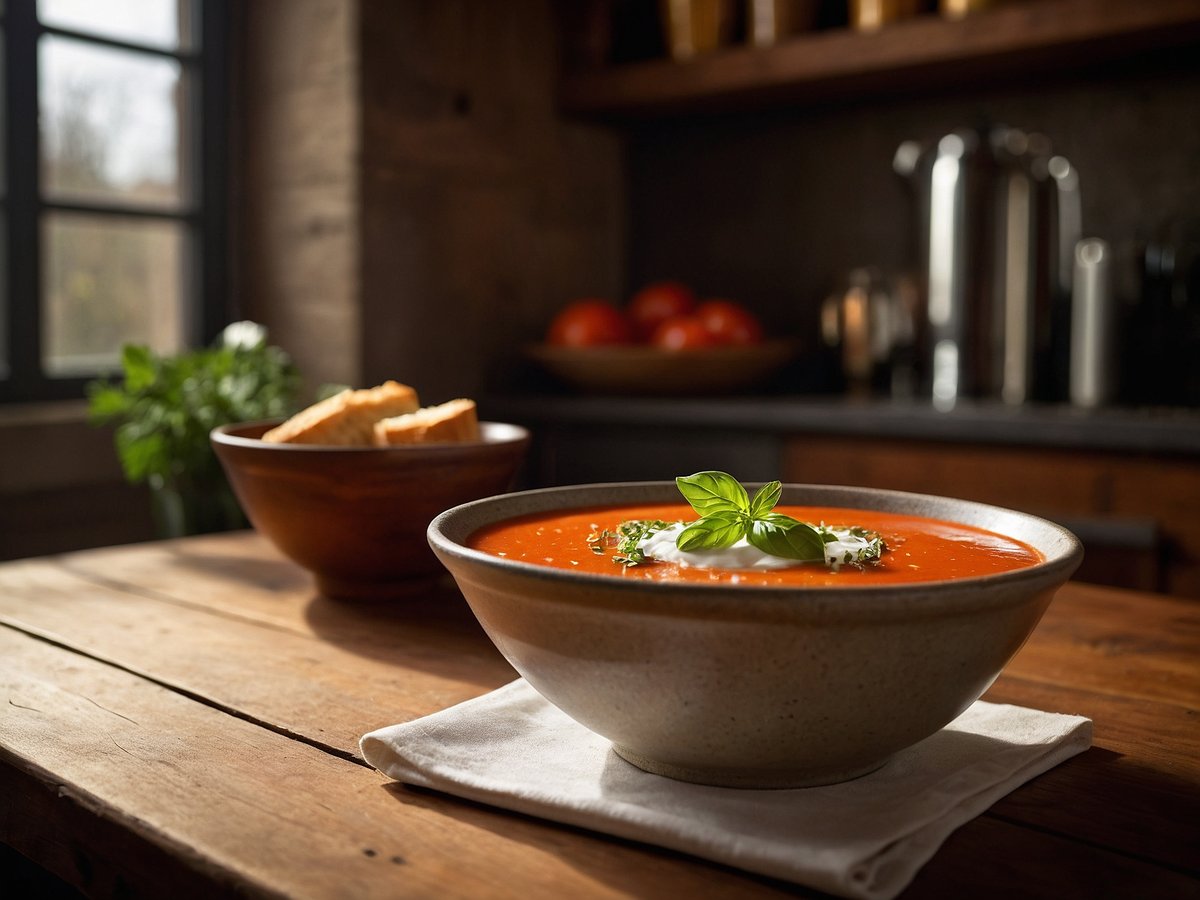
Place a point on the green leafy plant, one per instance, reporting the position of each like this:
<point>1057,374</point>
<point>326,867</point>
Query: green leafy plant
<point>166,406</point>
<point>728,513</point>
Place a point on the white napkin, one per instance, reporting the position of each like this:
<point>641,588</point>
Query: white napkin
<point>864,838</point>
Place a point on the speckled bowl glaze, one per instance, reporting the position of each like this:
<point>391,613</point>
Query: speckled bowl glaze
<point>754,687</point>
<point>356,516</point>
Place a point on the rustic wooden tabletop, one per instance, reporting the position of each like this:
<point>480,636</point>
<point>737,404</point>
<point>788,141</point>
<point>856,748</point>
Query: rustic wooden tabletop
<point>182,718</point>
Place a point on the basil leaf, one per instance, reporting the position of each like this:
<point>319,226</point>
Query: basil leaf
<point>783,536</point>
<point>764,499</point>
<point>711,533</point>
<point>713,492</point>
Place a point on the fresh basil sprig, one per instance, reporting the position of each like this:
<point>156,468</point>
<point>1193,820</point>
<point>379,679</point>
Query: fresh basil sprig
<point>728,514</point>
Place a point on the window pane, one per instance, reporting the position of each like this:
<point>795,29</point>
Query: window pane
<point>153,23</point>
<point>3,117</point>
<point>107,281</point>
<point>4,313</point>
<point>110,124</point>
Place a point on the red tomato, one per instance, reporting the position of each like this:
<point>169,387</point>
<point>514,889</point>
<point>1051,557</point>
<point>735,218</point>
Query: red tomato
<point>729,322</point>
<point>589,323</point>
<point>682,333</point>
<point>657,302</point>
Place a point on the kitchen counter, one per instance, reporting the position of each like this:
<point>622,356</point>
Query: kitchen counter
<point>1150,430</point>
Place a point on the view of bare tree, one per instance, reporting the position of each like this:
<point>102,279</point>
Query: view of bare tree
<point>107,279</point>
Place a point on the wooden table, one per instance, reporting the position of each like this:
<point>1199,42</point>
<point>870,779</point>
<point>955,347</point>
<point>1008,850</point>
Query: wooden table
<point>182,719</point>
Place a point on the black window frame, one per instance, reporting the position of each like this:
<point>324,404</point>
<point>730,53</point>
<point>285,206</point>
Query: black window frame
<point>204,212</point>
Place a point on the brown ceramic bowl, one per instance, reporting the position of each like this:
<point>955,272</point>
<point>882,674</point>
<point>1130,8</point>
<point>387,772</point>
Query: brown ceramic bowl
<point>753,686</point>
<point>356,516</point>
<point>643,370</point>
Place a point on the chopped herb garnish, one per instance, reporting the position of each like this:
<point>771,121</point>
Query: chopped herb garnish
<point>630,534</point>
<point>625,539</point>
<point>600,540</point>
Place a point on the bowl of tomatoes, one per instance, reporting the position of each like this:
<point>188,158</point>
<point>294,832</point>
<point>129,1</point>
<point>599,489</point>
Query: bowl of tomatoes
<point>665,340</point>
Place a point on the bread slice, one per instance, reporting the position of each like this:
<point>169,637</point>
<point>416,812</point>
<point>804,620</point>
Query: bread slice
<point>347,418</point>
<point>454,420</point>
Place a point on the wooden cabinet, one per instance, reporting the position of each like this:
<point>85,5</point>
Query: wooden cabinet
<point>1009,43</point>
<point>1137,515</point>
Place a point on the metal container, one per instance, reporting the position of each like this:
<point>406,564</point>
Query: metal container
<point>998,217</point>
<point>1093,326</point>
<point>949,177</point>
<point>869,322</point>
<point>1018,301</point>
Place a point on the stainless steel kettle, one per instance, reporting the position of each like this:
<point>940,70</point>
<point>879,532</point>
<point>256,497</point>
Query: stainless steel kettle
<point>998,217</point>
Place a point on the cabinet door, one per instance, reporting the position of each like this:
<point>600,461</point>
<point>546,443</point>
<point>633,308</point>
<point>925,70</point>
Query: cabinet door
<point>1138,516</point>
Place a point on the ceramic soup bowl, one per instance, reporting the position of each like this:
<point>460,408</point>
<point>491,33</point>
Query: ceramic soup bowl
<point>754,686</point>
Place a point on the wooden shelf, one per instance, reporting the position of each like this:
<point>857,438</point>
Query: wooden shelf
<point>1008,42</point>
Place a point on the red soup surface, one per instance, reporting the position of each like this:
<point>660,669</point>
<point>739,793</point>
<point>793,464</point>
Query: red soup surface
<point>918,549</point>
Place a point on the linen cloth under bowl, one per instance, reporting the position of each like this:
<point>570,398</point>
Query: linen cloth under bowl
<point>865,838</point>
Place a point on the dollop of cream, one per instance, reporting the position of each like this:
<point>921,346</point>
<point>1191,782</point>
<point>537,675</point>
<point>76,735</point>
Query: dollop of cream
<point>661,545</point>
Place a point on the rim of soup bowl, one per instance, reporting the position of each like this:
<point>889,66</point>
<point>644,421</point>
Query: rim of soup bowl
<point>491,434</point>
<point>1061,550</point>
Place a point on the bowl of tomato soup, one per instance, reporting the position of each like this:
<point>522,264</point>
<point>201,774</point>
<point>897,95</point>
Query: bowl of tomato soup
<point>752,671</point>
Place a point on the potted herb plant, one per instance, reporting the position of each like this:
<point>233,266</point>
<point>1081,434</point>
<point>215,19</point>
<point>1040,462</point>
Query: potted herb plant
<point>166,406</point>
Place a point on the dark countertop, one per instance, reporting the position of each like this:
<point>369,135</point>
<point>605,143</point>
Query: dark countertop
<point>1141,430</point>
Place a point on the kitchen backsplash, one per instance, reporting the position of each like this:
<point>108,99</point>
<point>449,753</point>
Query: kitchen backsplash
<point>773,209</point>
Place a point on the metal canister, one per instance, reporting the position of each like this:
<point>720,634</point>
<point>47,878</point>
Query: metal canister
<point>1093,326</point>
<point>997,218</point>
<point>951,252</point>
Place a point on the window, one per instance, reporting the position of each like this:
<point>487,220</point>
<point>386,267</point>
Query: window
<point>111,201</point>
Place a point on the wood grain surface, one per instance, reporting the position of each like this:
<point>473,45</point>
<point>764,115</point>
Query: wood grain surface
<point>183,717</point>
<point>916,52</point>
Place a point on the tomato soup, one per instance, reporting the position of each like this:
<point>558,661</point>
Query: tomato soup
<point>918,549</point>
